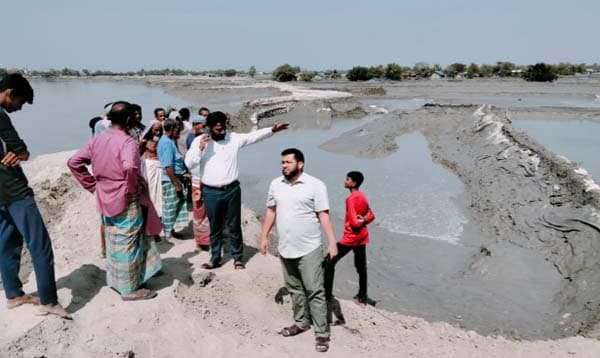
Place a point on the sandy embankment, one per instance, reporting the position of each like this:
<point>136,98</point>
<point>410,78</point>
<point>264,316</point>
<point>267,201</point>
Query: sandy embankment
<point>234,315</point>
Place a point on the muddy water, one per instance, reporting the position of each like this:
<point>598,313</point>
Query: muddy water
<point>575,140</point>
<point>423,239</point>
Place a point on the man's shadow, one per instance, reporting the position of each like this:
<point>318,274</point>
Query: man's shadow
<point>84,282</point>
<point>249,252</point>
<point>173,268</point>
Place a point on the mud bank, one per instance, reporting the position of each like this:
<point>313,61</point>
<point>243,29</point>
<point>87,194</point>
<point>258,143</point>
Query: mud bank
<point>524,197</point>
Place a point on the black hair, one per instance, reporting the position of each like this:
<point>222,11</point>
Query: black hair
<point>120,112</point>
<point>156,110</point>
<point>93,122</point>
<point>20,86</point>
<point>216,117</point>
<point>184,113</point>
<point>298,156</point>
<point>170,124</point>
<point>203,109</point>
<point>136,108</point>
<point>357,177</point>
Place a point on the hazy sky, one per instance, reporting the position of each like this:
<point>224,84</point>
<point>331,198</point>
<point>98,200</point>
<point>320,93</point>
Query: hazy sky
<point>134,34</point>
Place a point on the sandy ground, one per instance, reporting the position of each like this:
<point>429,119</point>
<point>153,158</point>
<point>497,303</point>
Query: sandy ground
<point>234,315</point>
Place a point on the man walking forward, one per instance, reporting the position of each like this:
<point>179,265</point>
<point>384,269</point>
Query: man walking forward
<point>299,203</point>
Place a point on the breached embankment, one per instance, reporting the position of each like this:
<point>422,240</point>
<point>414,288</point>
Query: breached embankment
<point>232,315</point>
<point>524,197</point>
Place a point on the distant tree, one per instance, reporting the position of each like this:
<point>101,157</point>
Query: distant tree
<point>581,68</point>
<point>230,72</point>
<point>393,71</point>
<point>455,69</point>
<point>486,70</point>
<point>358,73</point>
<point>332,74</point>
<point>504,69</point>
<point>285,73</point>
<point>423,70</point>
<point>3,72</point>
<point>473,70</point>
<point>540,72</point>
<point>376,72</point>
<point>252,71</point>
<point>307,76</point>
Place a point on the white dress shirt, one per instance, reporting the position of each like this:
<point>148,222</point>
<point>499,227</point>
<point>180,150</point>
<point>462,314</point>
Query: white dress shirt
<point>219,160</point>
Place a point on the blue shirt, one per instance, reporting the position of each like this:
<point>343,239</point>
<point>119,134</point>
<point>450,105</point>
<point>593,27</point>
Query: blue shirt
<point>169,156</point>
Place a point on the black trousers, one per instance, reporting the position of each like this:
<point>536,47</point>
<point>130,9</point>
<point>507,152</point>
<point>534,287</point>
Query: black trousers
<point>360,263</point>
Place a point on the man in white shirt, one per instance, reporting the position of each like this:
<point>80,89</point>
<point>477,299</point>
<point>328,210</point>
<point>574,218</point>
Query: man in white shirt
<point>220,186</point>
<point>300,204</point>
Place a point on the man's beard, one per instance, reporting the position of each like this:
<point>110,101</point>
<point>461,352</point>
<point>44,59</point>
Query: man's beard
<point>292,174</point>
<point>217,137</point>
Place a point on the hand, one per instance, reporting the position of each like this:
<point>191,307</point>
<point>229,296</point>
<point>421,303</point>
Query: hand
<point>332,251</point>
<point>204,141</point>
<point>264,245</point>
<point>360,218</point>
<point>278,127</point>
<point>11,160</point>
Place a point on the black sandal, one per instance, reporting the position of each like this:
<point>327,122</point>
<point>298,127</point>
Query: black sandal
<point>239,265</point>
<point>322,344</point>
<point>210,265</point>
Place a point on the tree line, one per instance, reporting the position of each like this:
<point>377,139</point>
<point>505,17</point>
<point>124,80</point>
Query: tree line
<point>392,71</point>
<point>70,72</point>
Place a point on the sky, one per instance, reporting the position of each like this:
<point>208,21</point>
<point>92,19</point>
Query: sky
<point>327,34</point>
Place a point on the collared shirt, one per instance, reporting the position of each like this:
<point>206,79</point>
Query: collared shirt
<point>192,158</point>
<point>297,206</point>
<point>356,232</point>
<point>169,156</point>
<point>116,163</point>
<point>219,160</point>
<point>13,183</point>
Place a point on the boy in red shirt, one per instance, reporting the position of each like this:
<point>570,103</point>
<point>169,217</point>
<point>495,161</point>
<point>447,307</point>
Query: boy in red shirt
<point>355,238</point>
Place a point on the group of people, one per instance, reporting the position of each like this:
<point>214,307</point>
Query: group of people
<point>146,180</point>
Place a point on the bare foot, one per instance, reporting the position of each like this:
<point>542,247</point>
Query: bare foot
<point>21,300</point>
<point>56,309</point>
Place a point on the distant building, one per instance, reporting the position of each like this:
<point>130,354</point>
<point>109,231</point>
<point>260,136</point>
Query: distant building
<point>437,75</point>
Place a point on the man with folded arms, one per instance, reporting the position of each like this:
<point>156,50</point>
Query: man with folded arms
<point>19,215</point>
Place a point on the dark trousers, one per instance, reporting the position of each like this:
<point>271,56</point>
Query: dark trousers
<point>360,262</point>
<point>21,219</point>
<point>224,209</point>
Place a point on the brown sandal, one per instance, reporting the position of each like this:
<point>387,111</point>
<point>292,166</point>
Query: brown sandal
<point>293,330</point>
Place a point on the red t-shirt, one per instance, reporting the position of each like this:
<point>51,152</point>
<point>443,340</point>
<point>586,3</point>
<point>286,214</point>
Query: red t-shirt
<point>356,232</point>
